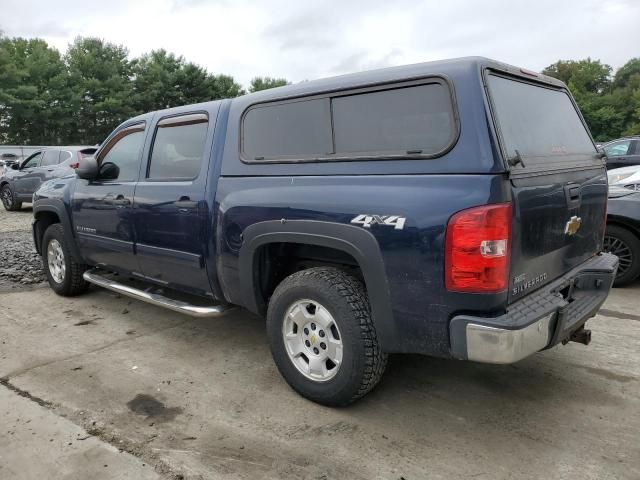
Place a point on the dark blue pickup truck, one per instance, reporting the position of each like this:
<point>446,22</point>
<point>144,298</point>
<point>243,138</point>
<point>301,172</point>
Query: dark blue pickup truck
<point>454,209</point>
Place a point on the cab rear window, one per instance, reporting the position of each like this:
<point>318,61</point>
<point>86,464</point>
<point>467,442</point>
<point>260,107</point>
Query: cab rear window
<point>539,125</point>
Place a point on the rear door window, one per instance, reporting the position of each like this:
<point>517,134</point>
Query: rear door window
<point>539,125</point>
<point>50,157</point>
<point>64,156</point>
<point>178,148</point>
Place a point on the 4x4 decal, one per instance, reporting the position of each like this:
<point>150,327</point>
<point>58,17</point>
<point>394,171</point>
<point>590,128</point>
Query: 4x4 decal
<point>366,220</point>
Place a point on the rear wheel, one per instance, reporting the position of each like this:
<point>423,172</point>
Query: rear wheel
<point>9,200</point>
<point>63,272</point>
<point>626,246</point>
<point>322,336</point>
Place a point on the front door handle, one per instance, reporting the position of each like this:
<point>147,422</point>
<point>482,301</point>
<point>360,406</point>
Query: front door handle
<point>185,203</point>
<point>119,201</point>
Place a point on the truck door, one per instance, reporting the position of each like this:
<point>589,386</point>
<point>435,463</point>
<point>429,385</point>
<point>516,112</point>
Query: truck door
<point>172,216</point>
<point>102,208</point>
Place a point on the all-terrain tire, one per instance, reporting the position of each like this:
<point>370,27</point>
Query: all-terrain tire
<point>70,282</point>
<point>625,244</point>
<point>345,298</point>
<point>9,201</point>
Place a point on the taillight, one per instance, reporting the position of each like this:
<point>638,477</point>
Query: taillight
<point>477,250</point>
<point>77,164</point>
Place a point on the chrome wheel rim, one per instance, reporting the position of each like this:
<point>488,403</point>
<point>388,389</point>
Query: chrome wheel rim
<point>621,250</point>
<point>312,340</point>
<point>55,260</point>
<point>7,197</point>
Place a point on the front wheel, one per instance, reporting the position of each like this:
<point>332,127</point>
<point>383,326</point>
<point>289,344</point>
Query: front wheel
<point>9,201</point>
<point>626,245</point>
<point>63,272</point>
<point>322,336</point>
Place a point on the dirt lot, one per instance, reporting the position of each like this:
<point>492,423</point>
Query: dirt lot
<point>105,387</point>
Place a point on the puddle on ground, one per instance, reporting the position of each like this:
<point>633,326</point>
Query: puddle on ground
<point>149,407</point>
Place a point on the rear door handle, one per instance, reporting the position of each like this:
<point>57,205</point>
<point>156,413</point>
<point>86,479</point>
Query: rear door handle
<point>185,203</point>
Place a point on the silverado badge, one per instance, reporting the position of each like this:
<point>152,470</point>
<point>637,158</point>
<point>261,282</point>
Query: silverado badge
<point>573,225</point>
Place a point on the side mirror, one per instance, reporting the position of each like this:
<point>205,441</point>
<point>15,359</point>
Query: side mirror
<point>15,166</point>
<point>87,168</point>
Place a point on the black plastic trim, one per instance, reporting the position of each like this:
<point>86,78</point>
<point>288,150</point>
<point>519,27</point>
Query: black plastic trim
<point>57,207</point>
<point>546,301</point>
<point>358,243</point>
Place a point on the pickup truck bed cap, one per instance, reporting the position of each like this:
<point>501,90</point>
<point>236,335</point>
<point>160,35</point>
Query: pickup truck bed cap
<point>468,65</point>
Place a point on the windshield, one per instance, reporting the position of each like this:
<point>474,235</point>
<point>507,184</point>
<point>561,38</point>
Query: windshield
<point>539,125</point>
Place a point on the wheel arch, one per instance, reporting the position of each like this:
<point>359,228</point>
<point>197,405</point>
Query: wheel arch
<point>48,212</point>
<point>353,241</point>
<point>619,221</point>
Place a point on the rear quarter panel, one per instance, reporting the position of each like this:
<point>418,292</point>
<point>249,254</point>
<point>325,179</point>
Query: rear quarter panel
<point>424,191</point>
<point>413,257</point>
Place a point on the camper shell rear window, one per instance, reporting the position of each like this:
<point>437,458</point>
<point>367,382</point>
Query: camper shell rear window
<point>538,125</point>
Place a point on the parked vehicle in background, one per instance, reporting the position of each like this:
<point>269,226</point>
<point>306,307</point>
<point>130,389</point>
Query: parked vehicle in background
<point>454,209</point>
<point>9,159</point>
<point>18,153</point>
<point>622,237</point>
<point>18,183</point>
<point>622,152</point>
<point>627,177</point>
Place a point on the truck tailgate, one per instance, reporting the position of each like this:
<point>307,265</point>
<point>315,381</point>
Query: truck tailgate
<point>558,181</point>
<point>559,224</point>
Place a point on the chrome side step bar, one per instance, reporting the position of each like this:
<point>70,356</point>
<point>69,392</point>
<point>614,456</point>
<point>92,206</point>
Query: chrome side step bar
<point>92,276</point>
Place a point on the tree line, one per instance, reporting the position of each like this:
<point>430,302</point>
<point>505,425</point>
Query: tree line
<point>610,103</point>
<point>49,98</point>
<point>79,97</point>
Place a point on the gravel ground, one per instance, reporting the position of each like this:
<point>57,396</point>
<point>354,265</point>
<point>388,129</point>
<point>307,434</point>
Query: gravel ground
<point>20,264</point>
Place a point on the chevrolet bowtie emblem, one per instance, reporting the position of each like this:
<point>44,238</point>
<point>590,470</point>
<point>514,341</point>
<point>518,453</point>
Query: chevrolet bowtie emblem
<point>573,225</point>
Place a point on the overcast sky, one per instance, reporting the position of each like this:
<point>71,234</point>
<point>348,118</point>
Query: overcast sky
<point>306,39</point>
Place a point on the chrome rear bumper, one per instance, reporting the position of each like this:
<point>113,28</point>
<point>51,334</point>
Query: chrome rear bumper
<point>539,320</point>
<point>496,345</point>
